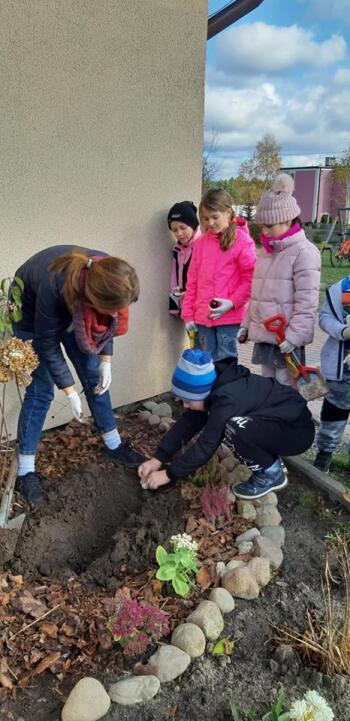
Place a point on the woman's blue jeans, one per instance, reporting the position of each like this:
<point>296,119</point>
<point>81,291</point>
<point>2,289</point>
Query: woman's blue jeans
<point>40,393</point>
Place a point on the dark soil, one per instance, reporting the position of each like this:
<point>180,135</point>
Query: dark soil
<point>97,521</point>
<point>204,691</point>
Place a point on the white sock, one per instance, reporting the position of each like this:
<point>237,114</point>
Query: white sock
<point>26,464</point>
<point>112,439</point>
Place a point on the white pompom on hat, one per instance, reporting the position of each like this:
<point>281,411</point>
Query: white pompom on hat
<point>278,205</point>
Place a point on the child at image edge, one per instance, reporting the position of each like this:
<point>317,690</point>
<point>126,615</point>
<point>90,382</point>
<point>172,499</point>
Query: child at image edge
<point>335,365</point>
<point>286,281</point>
<point>220,277</point>
<point>183,223</point>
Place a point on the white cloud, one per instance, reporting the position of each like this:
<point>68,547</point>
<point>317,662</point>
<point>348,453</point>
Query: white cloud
<point>258,48</point>
<point>331,9</point>
<point>309,123</point>
<point>342,76</point>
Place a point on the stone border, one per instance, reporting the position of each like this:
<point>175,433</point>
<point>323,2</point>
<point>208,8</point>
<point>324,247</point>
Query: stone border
<point>325,483</point>
<point>204,625</point>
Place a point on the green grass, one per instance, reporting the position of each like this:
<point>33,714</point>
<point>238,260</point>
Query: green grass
<point>331,275</point>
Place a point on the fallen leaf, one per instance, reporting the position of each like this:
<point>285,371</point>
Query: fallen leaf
<point>49,629</point>
<point>68,630</point>
<point>29,605</point>
<point>6,681</point>
<point>206,576</point>
<point>47,662</point>
<point>224,647</point>
<point>18,580</point>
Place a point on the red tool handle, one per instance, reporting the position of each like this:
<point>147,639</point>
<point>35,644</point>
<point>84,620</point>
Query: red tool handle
<point>277,324</point>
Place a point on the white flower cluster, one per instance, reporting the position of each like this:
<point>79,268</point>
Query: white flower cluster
<point>183,542</point>
<point>312,707</point>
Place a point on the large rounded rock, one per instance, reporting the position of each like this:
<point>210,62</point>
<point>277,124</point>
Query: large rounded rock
<point>241,583</point>
<point>164,410</point>
<point>223,599</point>
<point>144,415</point>
<point>88,701</point>
<point>154,420</point>
<point>246,509</point>
<point>265,548</point>
<point>247,535</point>
<point>276,534</point>
<point>168,662</point>
<point>150,406</point>
<point>267,516</point>
<point>135,689</point>
<point>234,563</point>
<point>261,570</point>
<point>208,617</point>
<point>269,500</point>
<point>190,638</point>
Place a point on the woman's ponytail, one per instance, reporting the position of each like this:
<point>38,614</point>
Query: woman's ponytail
<point>106,284</point>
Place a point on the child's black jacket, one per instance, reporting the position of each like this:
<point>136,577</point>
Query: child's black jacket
<point>236,392</point>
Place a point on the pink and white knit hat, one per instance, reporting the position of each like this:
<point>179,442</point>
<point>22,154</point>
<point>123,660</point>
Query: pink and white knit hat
<point>278,205</point>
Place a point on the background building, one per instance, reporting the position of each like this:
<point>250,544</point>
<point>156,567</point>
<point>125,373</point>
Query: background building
<point>101,131</point>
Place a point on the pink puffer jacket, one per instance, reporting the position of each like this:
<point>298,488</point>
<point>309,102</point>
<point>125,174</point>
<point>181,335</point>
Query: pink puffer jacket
<point>216,273</point>
<point>286,281</point>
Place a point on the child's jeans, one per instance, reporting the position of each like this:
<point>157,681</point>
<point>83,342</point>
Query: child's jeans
<point>334,415</point>
<point>40,393</point>
<point>219,340</point>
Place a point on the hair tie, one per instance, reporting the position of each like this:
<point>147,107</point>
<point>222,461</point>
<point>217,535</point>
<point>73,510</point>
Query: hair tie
<point>89,263</point>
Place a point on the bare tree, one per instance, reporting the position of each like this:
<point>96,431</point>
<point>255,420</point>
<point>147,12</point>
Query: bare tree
<point>211,164</point>
<point>256,173</point>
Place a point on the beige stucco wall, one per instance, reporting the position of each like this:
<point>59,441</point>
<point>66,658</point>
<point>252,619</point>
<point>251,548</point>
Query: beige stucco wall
<point>101,131</point>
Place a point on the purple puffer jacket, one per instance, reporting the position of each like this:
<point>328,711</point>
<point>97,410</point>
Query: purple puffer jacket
<point>286,281</point>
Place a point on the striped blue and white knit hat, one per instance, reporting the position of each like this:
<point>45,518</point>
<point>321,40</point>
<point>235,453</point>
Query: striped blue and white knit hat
<point>193,376</point>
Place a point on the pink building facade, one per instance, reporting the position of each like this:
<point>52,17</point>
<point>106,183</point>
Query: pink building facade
<point>317,192</point>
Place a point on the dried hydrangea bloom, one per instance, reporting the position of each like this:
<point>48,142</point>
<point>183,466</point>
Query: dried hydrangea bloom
<point>17,360</point>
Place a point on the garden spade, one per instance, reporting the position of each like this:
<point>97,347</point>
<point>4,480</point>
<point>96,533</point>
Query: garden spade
<point>308,381</point>
<point>14,524</point>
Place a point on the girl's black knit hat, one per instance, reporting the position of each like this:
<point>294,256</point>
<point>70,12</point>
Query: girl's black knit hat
<point>184,212</point>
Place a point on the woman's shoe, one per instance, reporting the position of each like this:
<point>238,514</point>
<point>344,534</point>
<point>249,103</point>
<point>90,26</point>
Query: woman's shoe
<point>124,455</point>
<point>30,488</point>
<point>262,482</point>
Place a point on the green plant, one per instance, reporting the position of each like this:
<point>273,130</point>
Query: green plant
<point>312,707</point>
<point>274,715</point>
<point>10,303</point>
<point>177,565</point>
<point>208,475</point>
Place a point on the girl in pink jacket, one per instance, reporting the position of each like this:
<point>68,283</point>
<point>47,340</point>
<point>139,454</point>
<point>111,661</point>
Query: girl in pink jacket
<point>286,281</point>
<point>220,277</point>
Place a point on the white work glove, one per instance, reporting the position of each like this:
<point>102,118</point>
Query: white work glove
<point>190,326</point>
<point>224,306</point>
<point>346,333</point>
<point>75,406</point>
<point>286,347</point>
<point>105,376</point>
<point>242,334</point>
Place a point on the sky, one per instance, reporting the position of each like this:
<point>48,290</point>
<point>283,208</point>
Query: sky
<point>283,69</point>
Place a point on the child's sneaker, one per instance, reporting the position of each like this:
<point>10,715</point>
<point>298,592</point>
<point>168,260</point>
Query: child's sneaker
<point>323,461</point>
<point>262,482</point>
